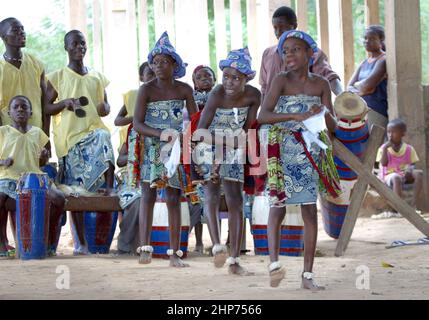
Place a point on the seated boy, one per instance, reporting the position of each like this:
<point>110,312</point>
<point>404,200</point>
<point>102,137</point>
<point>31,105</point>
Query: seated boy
<point>397,161</point>
<point>22,149</point>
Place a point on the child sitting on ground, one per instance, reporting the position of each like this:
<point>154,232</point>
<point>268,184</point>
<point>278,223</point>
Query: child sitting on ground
<point>397,161</point>
<point>22,150</point>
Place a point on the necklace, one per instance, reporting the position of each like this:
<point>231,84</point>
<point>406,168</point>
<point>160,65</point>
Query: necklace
<point>12,59</point>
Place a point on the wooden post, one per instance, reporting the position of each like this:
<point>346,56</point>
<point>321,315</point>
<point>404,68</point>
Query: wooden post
<point>97,35</point>
<point>132,45</point>
<point>372,12</point>
<point>143,31</point>
<point>359,190</point>
<point>302,14</point>
<point>405,92</point>
<point>341,38</point>
<point>192,33</point>
<point>369,178</point>
<point>220,30</point>
<point>252,32</point>
<point>76,15</point>
<point>236,24</point>
<point>273,5</point>
<point>159,16</point>
<point>323,25</point>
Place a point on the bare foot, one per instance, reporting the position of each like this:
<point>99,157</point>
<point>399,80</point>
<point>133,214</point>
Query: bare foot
<point>81,251</point>
<point>199,249</point>
<point>145,257</point>
<point>238,270</point>
<point>309,284</point>
<point>276,276</point>
<point>176,262</point>
<point>220,253</point>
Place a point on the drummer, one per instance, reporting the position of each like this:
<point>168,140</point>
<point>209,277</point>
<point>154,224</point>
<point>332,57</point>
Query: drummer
<point>22,150</point>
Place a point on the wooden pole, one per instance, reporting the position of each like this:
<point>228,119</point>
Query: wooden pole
<point>76,16</point>
<point>236,24</point>
<point>369,178</point>
<point>273,5</point>
<point>302,13</point>
<point>405,92</point>
<point>143,31</point>
<point>372,12</point>
<point>323,24</point>
<point>359,190</point>
<point>220,31</point>
<point>97,35</point>
<point>341,43</point>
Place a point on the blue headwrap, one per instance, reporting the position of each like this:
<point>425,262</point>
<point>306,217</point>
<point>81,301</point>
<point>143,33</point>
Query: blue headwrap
<point>241,61</point>
<point>163,46</point>
<point>298,35</point>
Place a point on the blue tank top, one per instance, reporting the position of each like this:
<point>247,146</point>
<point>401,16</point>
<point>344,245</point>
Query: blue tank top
<point>377,101</point>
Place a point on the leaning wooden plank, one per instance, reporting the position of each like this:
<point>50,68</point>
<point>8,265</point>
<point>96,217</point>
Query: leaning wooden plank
<point>400,205</point>
<point>359,191</point>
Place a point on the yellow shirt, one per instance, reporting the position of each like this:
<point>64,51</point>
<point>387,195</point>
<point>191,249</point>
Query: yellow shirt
<point>130,100</point>
<point>23,148</point>
<point>67,128</point>
<point>23,81</point>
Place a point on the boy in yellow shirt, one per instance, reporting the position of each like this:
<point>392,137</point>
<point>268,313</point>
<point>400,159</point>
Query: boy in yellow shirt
<point>22,148</point>
<point>21,74</point>
<point>83,145</point>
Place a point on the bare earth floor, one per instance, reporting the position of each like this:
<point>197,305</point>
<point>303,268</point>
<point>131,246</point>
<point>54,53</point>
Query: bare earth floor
<point>110,277</point>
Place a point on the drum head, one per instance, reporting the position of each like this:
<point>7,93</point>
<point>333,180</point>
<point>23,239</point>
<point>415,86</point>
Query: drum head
<point>350,106</point>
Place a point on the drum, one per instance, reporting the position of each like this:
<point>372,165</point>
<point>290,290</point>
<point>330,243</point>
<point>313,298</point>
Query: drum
<point>99,230</point>
<point>160,236</point>
<point>32,216</point>
<point>292,231</point>
<point>353,132</point>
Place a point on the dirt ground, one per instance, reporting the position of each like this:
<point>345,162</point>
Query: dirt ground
<point>110,277</point>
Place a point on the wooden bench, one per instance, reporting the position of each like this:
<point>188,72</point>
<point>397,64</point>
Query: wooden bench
<point>92,203</point>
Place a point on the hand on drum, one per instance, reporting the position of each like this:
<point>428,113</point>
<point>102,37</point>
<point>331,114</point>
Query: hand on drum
<point>7,163</point>
<point>44,157</point>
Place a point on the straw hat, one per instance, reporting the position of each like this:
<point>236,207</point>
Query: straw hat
<point>350,106</point>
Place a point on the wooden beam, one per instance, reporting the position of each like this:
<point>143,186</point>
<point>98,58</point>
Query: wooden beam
<point>132,50</point>
<point>341,44</point>
<point>97,36</point>
<point>93,203</point>
<point>252,30</point>
<point>236,25</point>
<point>169,19</point>
<point>302,14</point>
<point>366,175</point>
<point>405,92</point>
<point>76,16</point>
<point>372,12</point>
<point>143,31</point>
<point>220,31</point>
<point>273,5</point>
<point>323,24</point>
<point>159,16</point>
<point>359,190</point>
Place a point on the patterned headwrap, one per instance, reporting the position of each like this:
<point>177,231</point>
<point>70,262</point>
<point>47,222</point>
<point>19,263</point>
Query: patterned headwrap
<point>298,35</point>
<point>163,46</point>
<point>241,61</point>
